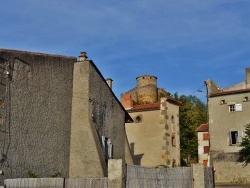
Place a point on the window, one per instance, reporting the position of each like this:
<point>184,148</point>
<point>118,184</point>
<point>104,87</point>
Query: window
<point>205,136</point>
<point>222,102</point>
<point>232,108</point>
<point>172,119</point>
<point>138,119</point>
<point>173,139</point>
<point>206,149</point>
<point>107,148</point>
<point>235,107</point>
<point>204,162</point>
<point>235,137</point>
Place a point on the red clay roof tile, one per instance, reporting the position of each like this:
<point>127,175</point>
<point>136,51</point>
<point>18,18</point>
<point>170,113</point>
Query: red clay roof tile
<point>202,128</point>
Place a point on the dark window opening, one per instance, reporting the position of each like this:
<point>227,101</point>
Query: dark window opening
<point>234,137</point>
<point>232,108</point>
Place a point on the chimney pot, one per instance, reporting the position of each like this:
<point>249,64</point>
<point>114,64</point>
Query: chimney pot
<point>109,82</point>
<point>83,56</point>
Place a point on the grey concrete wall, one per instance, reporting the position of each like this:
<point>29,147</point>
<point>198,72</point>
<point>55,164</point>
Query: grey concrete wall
<point>86,158</point>
<point>116,173</point>
<point>106,112</point>
<point>53,123</point>
<point>95,113</point>
<point>198,176</point>
<point>37,114</point>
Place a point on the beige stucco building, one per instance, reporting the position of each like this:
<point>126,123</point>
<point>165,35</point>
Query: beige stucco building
<point>203,144</point>
<point>228,111</point>
<point>154,134</point>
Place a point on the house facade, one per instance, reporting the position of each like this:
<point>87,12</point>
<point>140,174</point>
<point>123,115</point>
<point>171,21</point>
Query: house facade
<point>203,144</point>
<point>154,134</point>
<point>58,115</point>
<point>228,111</point>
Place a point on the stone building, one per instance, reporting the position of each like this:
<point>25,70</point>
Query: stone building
<point>203,144</point>
<point>228,111</point>
<point>154,134</point>
<point>58,115</point>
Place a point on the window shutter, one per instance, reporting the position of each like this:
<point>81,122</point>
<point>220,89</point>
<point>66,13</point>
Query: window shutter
<point>205,136</point>
<point>240,136</point>
<point>238,107</point>
<point>206,149</point>
<point>104,146</point>
<point>229,140</point>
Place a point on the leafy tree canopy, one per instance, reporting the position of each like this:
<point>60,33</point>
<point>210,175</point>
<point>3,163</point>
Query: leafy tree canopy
<point>244,153</point>
<point>192,114</point>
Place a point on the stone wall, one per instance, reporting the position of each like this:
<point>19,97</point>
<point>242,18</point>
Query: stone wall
<point>96,112</point>
<point>37,114</point>
<point>228,170</point>
<point>107,113</point>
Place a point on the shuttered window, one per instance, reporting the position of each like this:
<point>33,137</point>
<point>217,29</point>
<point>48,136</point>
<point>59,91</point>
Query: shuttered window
<point>205,136</point>
<point>206,149</point>
<point>235,137</point>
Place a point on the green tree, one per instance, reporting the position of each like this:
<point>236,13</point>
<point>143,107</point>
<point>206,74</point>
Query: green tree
<point>244,153</point>
<point>193,113</point>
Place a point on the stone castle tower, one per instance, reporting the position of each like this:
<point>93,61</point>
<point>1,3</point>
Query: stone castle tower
<point>146,89</point>
<point>145,92</point>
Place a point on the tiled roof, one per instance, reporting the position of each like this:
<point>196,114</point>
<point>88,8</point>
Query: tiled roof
<point>172,100</point>
<point>230,92</point>
<point>202,128</point>
<point>145,107</point>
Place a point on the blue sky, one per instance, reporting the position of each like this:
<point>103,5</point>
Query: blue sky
<point>182,42</point>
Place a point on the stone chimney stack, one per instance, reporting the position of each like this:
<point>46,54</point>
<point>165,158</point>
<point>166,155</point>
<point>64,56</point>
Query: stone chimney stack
<point>83,56</point>
<point>109,82</point>
<point>248,77</point>
<point>127,101</point>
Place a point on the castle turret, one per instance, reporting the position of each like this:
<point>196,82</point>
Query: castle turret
<point>146,89</point>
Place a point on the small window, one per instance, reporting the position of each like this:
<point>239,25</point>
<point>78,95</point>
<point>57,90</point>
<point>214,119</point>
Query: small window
<point>138,119</point>
<point>222,102</point>
<point>206,149</point>
<point>205,136</point>
<point>172,119</point>
<point>235,107</point>
<point>235,137</point>
<point>174,163</point>
<point>204,162</point>
<point>246,99</point>
<point>173,139</point>
<point>232,108</point>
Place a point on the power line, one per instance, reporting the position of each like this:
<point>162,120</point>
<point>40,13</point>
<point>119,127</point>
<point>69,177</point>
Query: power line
<point>198,90</point>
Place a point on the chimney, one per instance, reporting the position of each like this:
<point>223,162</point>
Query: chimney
<point>247,77</point>
<point>109,82</point>
<point>83,56</point>
<point>127,101</point>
